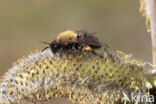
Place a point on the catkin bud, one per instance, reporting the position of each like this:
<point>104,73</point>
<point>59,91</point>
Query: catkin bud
<point>145,10</point>
<point>82,77</point>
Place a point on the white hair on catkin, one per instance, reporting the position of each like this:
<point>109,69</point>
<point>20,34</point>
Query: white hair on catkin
<point>14,72</point>
<point>147,7</point>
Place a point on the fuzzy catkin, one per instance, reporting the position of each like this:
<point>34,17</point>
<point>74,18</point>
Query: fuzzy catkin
<point>82,77</point>
<point>145,10</point>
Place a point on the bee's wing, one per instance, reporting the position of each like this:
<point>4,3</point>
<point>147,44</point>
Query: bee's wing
<point>104,44</point>
<point>81,32</point>
<point>88,38</point>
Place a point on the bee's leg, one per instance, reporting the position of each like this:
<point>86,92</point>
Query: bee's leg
<point>101,54</point>
<point>61,50</point>
<point>88,48</point>
<point>73,47</point>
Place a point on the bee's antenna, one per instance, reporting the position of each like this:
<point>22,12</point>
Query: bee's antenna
<point>44,42</point>
<point>45,47</point>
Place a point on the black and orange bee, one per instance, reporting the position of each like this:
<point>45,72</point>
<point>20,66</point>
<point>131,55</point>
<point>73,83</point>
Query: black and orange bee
<point>75,40</point>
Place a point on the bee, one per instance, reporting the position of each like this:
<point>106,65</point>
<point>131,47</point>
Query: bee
<point>74,40</point>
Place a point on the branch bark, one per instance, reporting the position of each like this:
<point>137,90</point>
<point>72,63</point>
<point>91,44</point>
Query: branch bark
<point>152,16</point>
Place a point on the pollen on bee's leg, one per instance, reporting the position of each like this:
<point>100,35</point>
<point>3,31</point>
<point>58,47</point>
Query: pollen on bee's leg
<point>88,48</point>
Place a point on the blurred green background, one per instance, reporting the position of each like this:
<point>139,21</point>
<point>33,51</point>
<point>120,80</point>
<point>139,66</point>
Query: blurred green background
<point>23,23</point>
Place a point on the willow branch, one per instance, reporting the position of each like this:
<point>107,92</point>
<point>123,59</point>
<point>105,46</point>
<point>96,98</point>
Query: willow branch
<point>152,16</point>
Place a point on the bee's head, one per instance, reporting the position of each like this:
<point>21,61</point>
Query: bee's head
<point>54,46</point>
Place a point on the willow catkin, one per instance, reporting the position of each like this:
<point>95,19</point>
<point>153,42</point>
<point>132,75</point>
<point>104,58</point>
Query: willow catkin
<point>82,77</point>
<point>145,10</point>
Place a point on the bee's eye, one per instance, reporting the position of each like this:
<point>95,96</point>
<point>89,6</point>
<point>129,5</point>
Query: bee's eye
<point>55,46</point>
